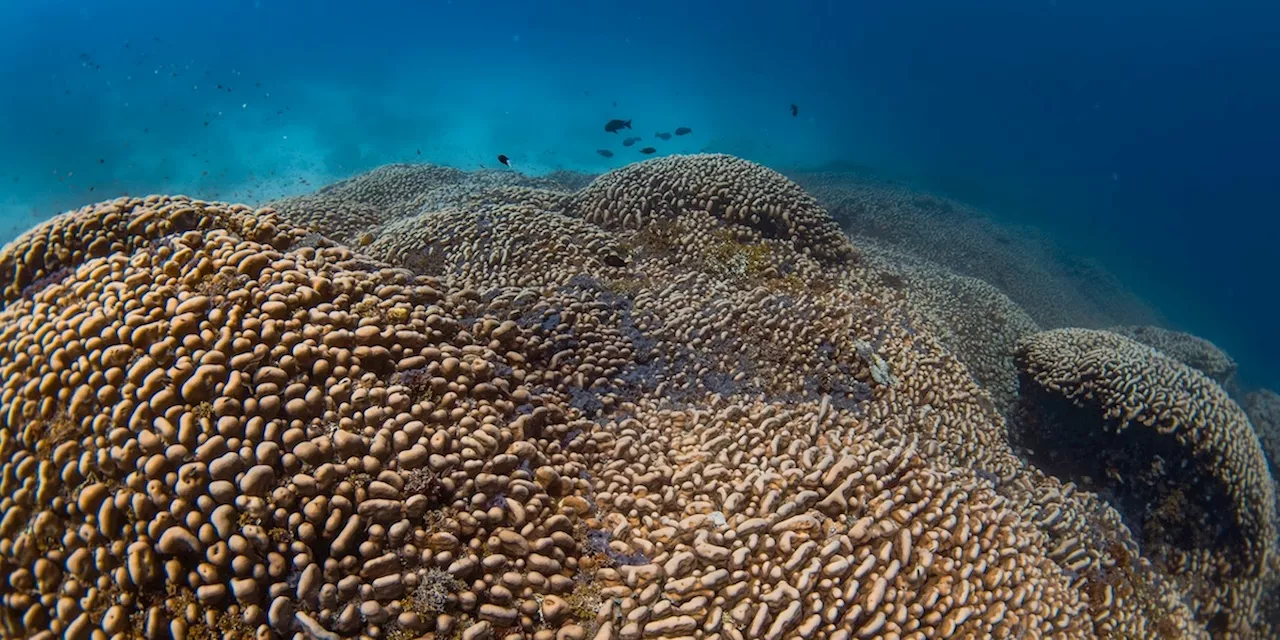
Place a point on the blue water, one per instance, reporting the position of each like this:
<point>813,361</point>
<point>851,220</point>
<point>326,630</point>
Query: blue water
<point>1144,133</point>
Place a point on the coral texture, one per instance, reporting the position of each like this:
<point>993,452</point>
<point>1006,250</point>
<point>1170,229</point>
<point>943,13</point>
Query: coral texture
<point>1177,452</point>
<point>1193,351</point>
<point>671,404</point>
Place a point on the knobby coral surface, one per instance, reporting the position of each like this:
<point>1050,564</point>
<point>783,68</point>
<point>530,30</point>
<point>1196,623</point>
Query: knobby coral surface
<point>1193,351</point>
<point>674,403</point>
<point>1178,454</point>
<point>973,319</point>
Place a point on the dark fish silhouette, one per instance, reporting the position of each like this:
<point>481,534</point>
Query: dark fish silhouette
<point>795,111</point>
<point>504,160</point>
<point>684,131</point>
<point>614,126</point>
<point>647,150</point>
<point>605,152</point>
<point>662,136</point>
<point>630,141</point>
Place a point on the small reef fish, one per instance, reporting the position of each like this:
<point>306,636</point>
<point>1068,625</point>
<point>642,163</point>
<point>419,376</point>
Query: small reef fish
<point>504,160</point>
<point>630,141</point>
<point>605,152</point>
<point>647,150</point>
<point>662,136</point>
<point>614,126</point>
<point>795,111</point>
<point>684,131</point>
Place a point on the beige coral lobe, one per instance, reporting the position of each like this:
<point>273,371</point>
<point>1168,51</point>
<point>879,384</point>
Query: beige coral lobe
<point>675,401</point>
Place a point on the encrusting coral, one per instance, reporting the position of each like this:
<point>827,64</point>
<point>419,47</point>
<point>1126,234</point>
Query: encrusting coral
<point>699,416</point>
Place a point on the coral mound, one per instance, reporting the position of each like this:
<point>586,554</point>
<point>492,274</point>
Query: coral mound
<point>1263,408</point>
<point>729,188</point>
<point>1176,452</point>
<point>1193,351</point>
<point>354,211</point>
<point>666,405</point>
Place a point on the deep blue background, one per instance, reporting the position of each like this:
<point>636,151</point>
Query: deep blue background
<point>1144,133</point>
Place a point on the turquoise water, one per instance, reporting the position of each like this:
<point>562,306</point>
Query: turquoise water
<point>1141,134</point>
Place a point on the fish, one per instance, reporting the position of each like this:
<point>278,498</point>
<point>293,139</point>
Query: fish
<point>662,136</point>
<point>630,141</point>
<point>647,150</point>
<point>795,111</point>
<point>684,131</point>
<point>614,126</point>
<point>504,160</point>
<point>605,152</point>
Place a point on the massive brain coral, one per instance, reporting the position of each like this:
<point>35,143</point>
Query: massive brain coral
<point>706,423</point>
<point>729,188</point>
<point>973,319</point>
<point>1193,351</point>
<point>1177,453</point>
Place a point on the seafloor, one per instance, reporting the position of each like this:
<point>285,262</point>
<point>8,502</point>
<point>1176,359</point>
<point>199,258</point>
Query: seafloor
<point>689,398</point>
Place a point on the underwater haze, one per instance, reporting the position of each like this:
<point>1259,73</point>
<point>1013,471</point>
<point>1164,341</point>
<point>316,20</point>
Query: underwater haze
<point>1143,133</point>
<point>584,320</point>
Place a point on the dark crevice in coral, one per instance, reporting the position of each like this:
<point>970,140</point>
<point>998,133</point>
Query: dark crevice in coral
<point>1140,472</point>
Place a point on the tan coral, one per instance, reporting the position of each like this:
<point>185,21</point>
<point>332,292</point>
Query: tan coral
<point>364,204</point>
<point>973,319</point>
<point>1179,454</point>
<point>1193,351</point>
<point>219,441</point>
<point>232,426</point>
<point>732,189</point>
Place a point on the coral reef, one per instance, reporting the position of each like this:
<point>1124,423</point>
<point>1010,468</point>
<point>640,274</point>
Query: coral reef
<point>1056,289</point>
<point>1193,351</point>
<point>728,188</point>
<point>973,319</point>
<point>1175,452</point>
<point>672,404</point>
<point>1263,408</point>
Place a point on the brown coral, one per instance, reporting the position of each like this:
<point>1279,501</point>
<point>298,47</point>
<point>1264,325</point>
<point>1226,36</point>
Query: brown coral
<point>363,204</point>
<point>973,319</point>
<point>1177,453</point>
<point>219,423</point>
<point>1193,351</point>
<point>734,190</point>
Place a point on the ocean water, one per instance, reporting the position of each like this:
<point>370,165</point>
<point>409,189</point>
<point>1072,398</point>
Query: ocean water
<point>1001,167</point>
<point>1142,134</point>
